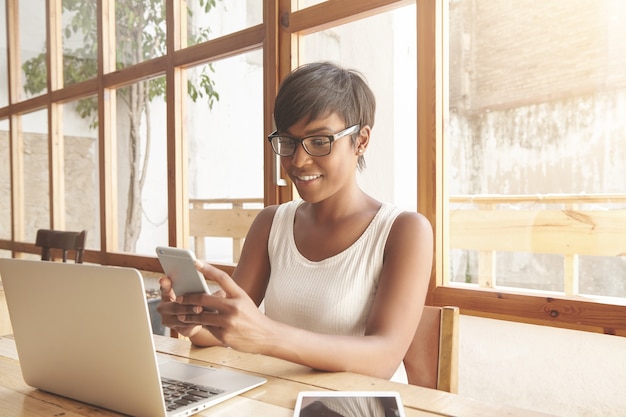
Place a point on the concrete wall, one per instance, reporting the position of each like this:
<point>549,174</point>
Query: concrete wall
<point>507,53</point>
<point>537,104</point>
<point>81,185</point>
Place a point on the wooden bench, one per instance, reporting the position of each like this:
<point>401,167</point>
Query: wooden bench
<point>568,225</point>
<point>230,218</point>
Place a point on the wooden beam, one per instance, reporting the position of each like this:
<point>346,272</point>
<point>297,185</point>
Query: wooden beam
<point>430,114</point>
<point>569,232</point>
<point>332,13</point>
<point>537,308</point>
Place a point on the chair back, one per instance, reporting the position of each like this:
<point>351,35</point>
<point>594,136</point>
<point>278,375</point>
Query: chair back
<point>51,240</point>
<point>432,358</point>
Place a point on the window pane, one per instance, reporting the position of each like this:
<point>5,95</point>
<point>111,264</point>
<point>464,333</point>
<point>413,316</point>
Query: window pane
<point>32,35</point>
<point>80,43</point>
<point>142,166</point>
<point>536,139</point>
<point>35,174</point>
<point>303,4</point>
<point>140,31</point>
<point>226,140</point>
<point>5,182</point>
<point>4,80</point>
<point>82,188</point>
<point>206,21</point>
<point>391,173</point>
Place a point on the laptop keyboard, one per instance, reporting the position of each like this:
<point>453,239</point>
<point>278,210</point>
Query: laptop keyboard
<point>180,394</point>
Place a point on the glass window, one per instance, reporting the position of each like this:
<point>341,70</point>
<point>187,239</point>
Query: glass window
<point>32,36</point>
<point>4,74</point>
<point>80,41</point>
<point>142,166</point>
<point>392,153</point>
<point>5,181</point>
<point>81,176</point>
<point>208,20</point>
<point>303,4</point>
<point>140,32</point>
<point>536,144</point>
<point>36,178</point>
<point>225,141</point>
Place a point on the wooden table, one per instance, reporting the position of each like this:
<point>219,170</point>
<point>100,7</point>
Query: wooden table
<point>276,398</point>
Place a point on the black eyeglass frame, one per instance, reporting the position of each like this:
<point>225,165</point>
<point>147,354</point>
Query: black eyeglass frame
<point>331,138</point>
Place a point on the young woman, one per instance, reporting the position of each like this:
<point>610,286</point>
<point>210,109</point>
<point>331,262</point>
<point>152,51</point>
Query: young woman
<point>343,277</point>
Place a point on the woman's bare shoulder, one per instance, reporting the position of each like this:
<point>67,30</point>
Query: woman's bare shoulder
<point>268,212</point>
<point>410,228</point>
<point>412,220</point>
<point>263,220</point>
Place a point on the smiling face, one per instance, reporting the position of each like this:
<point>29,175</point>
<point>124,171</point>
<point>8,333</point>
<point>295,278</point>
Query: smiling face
<point>316,90</point>
<point>318,178</point>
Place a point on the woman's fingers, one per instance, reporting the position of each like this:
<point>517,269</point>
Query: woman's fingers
<point>221,278</point>
<point>173,314</point>
<point>210,311</point>
<point>202,303</point>
<point>167,293</point>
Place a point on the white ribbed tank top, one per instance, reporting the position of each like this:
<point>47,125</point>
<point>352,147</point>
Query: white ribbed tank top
<point>333,296</point>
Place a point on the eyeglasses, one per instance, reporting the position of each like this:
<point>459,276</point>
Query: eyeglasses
<point>316,145</point>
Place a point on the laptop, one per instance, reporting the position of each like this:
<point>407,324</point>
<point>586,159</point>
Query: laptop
<point>83,332</point>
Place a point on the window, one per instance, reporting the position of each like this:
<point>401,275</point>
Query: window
<point>540,140</point>
<point>225,168</point>
<point>140,31</point>
<point>81,177</point>
<point>34,153</point>
<point>5,186</point>
<point>208,20</point>
<point>103,148</point>
<point>535,144</point>
<point>391,156</point>
<point>79,42</point>
<point>4,98</point>
<point>140,139</point>
<point>31,26</point>
<point>461,84</point>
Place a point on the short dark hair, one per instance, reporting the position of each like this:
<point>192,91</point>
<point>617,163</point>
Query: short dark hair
<point>322,88</point>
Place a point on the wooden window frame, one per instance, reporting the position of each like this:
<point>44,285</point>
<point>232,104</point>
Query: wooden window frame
<point>519,306</point>
<point>277,35</point>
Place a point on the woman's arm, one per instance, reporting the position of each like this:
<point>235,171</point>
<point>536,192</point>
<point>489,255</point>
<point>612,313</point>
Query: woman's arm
<point>235,320</point>
<point>251,274</point>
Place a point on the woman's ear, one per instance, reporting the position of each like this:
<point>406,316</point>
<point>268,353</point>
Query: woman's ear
<point>363,139</point>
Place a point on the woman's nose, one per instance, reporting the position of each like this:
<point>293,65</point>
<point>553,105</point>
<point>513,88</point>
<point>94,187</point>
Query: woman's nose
<point>300,156</point>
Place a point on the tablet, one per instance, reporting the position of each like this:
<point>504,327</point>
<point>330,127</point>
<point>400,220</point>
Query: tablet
<point>348,404</point>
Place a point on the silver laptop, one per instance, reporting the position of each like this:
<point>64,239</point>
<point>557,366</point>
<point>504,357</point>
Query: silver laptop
<point>83,332</point>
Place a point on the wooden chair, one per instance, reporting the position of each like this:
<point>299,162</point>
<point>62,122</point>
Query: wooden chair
<point>432,358</point>
<point>51,240</point>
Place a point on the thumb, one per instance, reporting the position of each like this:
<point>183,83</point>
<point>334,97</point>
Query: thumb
<point>167,293</point>
<point>227,284</point>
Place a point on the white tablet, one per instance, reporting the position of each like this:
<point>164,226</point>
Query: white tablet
<point>348,404</point>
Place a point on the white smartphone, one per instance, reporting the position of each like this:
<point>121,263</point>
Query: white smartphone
<point>178,265</point>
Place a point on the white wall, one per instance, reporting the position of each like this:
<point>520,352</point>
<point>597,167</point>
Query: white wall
<point>563,372</point>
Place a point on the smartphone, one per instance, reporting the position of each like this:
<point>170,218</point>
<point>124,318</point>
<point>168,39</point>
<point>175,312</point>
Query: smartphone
<point>178,265</point>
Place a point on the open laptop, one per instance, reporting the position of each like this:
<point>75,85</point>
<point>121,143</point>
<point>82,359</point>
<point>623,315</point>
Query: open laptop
<point>83,332</point>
